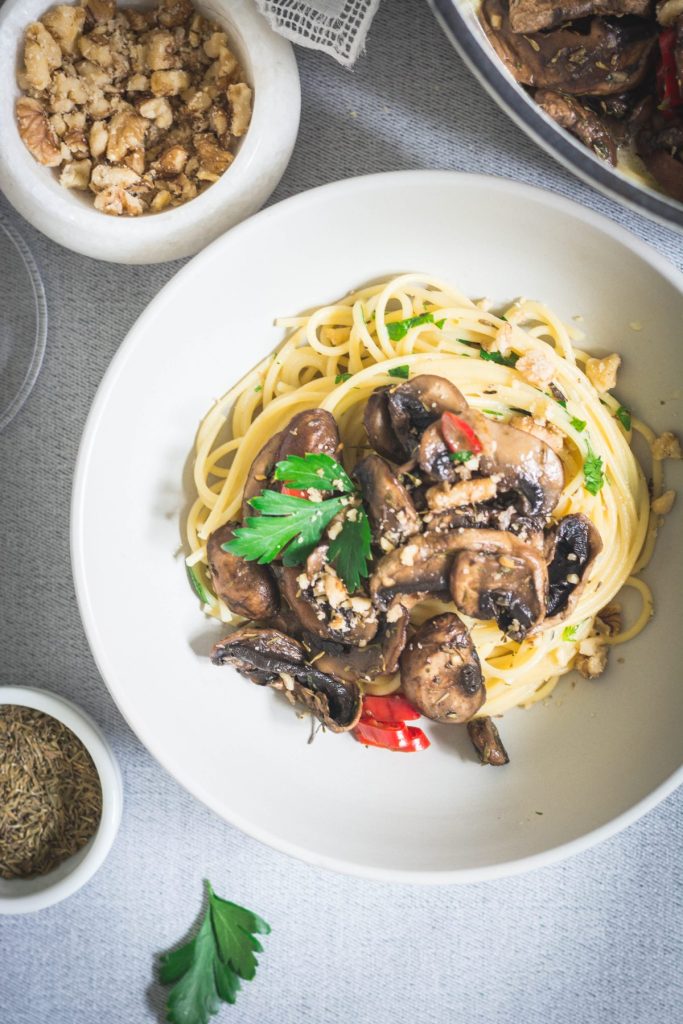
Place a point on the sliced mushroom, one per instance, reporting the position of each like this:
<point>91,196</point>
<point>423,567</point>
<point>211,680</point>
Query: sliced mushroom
<point>365,663</point>
<point>596,57</point>
<point>497,576</point>
<point>581,121</point>
<point>487,742</point>
<point>260,473</point>
<point>271,658</point>
<point>572,547</point>
<point>659,143</point>
<point>396,417</point>
<point>313,431</point>
<point>537,15</point>
<point>322,604</point>
<point>390,508</point>
<point>420,566</point>
<point>440,671</point>
<point>248,589</point>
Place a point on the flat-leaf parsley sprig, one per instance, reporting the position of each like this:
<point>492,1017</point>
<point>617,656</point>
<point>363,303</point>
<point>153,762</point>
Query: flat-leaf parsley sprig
<point>292,526</point>
<point>207,970</point>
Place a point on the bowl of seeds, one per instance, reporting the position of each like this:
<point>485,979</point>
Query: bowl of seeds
<point>60,799</point>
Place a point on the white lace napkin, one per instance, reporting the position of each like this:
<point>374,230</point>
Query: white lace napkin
<point>338,27</point>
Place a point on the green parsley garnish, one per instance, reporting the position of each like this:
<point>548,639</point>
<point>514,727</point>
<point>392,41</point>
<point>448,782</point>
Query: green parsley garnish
<point>440,323</point>
<point>292,527</point>
<point>400,371</point>
<point>259,387</point>
<point>496,357</point>
<point>562,402</point>
<point>493,412</point>
<point>207,970</point>
<point>624,417</point>
<point>342,377</point>
<point>577,424</point>
<point>320,471</point>
<point>400,328</point>
<point>569,632</point>
<point>461,456</point>
<point>593,472</point>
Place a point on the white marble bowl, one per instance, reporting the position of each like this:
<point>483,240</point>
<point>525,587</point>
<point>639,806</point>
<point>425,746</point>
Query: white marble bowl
<point>23,895</point>
<point>69,217</point>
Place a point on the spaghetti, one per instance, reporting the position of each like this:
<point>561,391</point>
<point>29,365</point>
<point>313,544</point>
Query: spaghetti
<point>338,355</point>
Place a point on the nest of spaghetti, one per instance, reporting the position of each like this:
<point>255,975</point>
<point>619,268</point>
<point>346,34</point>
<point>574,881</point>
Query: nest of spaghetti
<point>343,579</point>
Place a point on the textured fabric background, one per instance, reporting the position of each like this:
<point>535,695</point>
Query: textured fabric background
<point>593,940</point>
<point>338,27</point>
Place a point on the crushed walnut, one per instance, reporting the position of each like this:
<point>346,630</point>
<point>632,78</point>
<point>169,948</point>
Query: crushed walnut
<point>537,369</point>
<point>602,373</point>
<point>142,107</point>
<point>666,446</point>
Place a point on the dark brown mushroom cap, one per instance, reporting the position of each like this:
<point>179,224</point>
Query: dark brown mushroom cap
<point>487,742</point>
<point>595,58</point>
<point>396,417</point>
<point>365,663</point>
<point>537,15</point>
<point>260,472</point>
<point>580,120</point>
<point>313,431</point>
<point>497,576</point>
<point>571,549</point>
<point>440,671</point>
<point>390,508</point>
<point>269,657</point>
<point>248,589</point>
<point>315,612</point>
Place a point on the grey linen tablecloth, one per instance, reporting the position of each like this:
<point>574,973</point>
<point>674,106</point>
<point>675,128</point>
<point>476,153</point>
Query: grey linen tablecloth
<point>595,939</point>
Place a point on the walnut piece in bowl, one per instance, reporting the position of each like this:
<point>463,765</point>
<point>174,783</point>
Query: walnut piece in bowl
<point>143,108</point>
<point>135,111</point>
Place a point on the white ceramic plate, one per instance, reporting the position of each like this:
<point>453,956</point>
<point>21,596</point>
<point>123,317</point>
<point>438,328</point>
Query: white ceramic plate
<point>591,761</point>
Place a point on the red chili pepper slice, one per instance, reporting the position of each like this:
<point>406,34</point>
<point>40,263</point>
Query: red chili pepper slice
<point>458,434</point>
<point>391,736</point>
<point>668,85</point>
<point>295,492</point>
<point>391,708</point>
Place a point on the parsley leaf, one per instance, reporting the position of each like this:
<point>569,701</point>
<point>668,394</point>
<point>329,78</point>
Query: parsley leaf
<point>259,387</point>
<point>400,328</point>
<point>624,417</point>
<point>341,378</point>
<point>579,425</point>
<point>349,552</point>
<point>493,412</point>
<point>207,970</point>
<point>400,371</point>
<point>198,584</point>
<point>593,472</point>
<point>461,456</point>
<point>294,524</point>
<point>569,632</point>
<point>320,471</point>
<point>440,323</point>
<point>496,357</point>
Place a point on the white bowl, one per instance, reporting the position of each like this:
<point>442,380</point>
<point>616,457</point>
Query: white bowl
<point>594,759</point>
<point>69,217</point>
<point>22,895</point>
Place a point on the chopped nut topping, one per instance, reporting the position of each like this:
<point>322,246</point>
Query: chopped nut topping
<point>154,94</point>
<point>602,373</point>
<point>536,368</point>
<point>591,660</point>
<point>466,492</point>
<point>666,446</point>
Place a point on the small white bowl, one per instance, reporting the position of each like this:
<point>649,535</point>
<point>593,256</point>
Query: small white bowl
<point>69,217</point>
<point>23,895</point>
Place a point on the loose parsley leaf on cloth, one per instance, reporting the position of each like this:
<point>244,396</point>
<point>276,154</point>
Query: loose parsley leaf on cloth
<point>400,371</point>
<point>400,328</point>
<point>207,970</point>
<point>319,471</point>
<point>350,551</point>
<point>294,524</point>
<point>593,472</point>
<point>579,425</point>
<point>497,357</point>
<point>624,417</point>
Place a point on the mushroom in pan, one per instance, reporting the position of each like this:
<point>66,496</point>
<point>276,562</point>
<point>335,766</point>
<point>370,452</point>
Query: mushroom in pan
<point>440,671</point>
<point>247,588</point>
<point>537,15</point>
<point>271,658</point>
<point>390,508</point>
<point>580,120</point>
<point>572,547</point>
<point>497,576</point>
<point>323,605</point>
<point>596,57</point>
<point>487,742</point>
